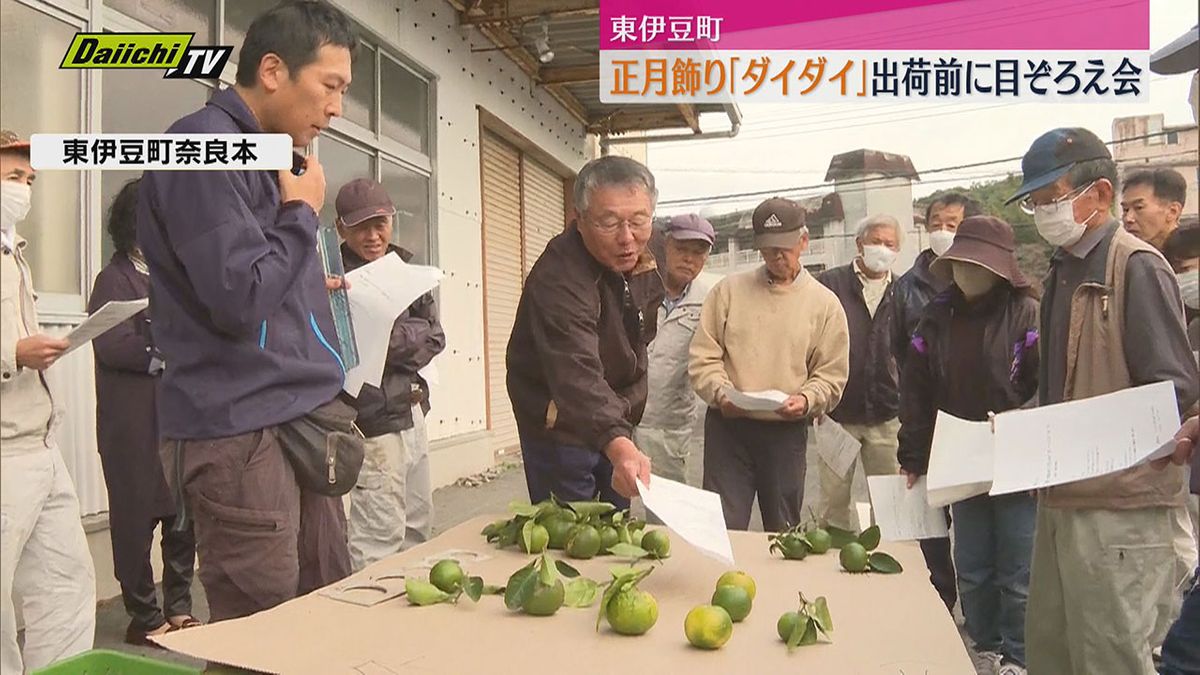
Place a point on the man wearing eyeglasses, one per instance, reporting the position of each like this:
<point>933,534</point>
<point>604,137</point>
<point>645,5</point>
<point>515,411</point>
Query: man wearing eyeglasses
<point>774,327</point>
<point>577,359</point>
<point>1103,569</point>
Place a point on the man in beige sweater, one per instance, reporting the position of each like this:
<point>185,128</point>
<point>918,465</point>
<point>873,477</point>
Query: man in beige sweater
<point>771,328</point>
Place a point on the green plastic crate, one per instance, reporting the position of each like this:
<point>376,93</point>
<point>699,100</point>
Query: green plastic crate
<point>108,662</point>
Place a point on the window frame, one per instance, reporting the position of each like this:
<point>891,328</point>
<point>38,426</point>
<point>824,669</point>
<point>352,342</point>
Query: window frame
<point>97,16</point>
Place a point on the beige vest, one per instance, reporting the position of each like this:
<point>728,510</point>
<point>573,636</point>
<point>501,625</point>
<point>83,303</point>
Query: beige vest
<point>26,410</point>
<point>1095,366</point>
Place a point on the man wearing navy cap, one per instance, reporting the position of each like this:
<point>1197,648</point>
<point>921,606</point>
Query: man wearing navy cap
<point>1104,565</point>
<point>668,429</point>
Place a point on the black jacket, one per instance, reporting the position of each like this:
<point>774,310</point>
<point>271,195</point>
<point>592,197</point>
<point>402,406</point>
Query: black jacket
<point>576,358</point>
<point>417,337</point>
<point>1010,346</point>
<point>872,395</point>
<point>910,293</point>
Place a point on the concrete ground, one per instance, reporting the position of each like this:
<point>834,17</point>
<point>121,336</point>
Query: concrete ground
<point>453,504</point>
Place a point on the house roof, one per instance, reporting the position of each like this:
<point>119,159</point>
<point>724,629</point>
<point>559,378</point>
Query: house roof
<point>573,75</point>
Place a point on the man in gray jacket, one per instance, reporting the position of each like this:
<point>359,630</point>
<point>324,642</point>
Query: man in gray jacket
<point>668,429</point>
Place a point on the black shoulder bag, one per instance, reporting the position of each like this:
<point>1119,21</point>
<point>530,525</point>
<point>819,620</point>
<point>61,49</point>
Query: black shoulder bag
<point>325,448</point>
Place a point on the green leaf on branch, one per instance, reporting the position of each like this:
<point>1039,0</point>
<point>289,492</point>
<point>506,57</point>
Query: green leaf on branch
<point>883,563</point>
<point>839,537</point>
<point>870,538</point>
<point>565,569</point>
<point>622,550</point>
<point>820,613</point>
<point>520,586</point>
<point>523,508</point>
<point>581,592</point>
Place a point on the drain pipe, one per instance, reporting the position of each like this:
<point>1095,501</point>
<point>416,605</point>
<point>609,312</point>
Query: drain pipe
<point>735,125</point>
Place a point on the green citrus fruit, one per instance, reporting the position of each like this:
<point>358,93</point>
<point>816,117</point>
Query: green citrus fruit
<point>636,537</point>
<point>738,578</point>
<point>794,547</point>
<point>608,537</point>
<point>657,542</point>
<point>632,612</point>
<point>539,538</point>
<point>708,627</point>
<point>545,600</point>
<point>733,599</point>
<point>583,542</point>
<point>447,575</point>
<point>558,528</point>
<point>819,540</point>
<point>853,557</point>
<point>786,624</point>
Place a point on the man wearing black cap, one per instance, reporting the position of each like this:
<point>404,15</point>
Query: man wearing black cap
<point>44,559</point>
<point>771,328</point>
<point>669,426</point>
<point>1104,565</point>
<point>391,506</point>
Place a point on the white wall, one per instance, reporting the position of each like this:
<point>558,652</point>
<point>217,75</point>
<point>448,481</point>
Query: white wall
<point>892,196</point>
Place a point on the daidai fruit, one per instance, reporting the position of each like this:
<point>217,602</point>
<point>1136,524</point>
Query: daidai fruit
<point>632,612</point>
<point>546,600</point>
<point>657,542</point>
<point>447,575</point>
<point>738,578</point>
<point>708,627</point>
<point>786,624</point>
<point>539,538</point>
<point>734,600</point>
<point>819,540</point>
<point>853,557</point>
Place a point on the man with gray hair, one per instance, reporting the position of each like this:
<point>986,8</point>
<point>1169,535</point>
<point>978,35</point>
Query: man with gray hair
<point>577,359</point>
<point>770,328</point>
<point>871,402</point>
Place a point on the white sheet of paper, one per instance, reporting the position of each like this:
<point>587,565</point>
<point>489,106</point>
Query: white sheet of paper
<point>379,292</point>
<point>692,513</point>
<point>903,514</point>
<point>107,317</point>
<point>836,447</point>
<point>757,401</point>
<point>1083,439</point>
<point>961,460</point>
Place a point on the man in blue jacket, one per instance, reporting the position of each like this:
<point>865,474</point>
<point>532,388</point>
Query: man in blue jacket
<point>241,314</point>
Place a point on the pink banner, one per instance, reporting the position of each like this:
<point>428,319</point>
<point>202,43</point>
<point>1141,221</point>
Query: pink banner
<point>943,25</point>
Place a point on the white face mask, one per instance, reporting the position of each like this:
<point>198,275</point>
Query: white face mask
<point>940,241</point>
<point>1056,221</point>
<point>1189,286</point>
<point>973,280</point>
<point>878,258</point>
<point>14,204</point>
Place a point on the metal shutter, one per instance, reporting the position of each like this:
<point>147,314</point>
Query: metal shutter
<point>542,198</point>
<point>502,275</point>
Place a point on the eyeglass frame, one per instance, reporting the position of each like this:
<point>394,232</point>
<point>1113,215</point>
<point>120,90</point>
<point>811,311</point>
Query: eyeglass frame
<point>614,227</point>
<point>1029,208</point>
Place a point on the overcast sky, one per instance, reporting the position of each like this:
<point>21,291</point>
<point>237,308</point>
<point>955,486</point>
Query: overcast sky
<point>788,145</point>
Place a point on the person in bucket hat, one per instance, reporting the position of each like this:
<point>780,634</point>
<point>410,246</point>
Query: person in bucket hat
<point>1111,319</point>
<point>975,353</point>
<point>774,327</point>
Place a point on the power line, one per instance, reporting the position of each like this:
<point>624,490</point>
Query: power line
<point>872,179</point>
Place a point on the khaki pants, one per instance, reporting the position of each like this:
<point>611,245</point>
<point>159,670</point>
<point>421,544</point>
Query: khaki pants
<point>391,506</point>
<point>668,450</point>
<point>1185,539</point>
<point>46,565</point>
<point>878,457</point>
<point>1101,590</point>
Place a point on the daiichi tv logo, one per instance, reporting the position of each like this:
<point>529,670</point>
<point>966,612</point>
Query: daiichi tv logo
<point>173,52</point>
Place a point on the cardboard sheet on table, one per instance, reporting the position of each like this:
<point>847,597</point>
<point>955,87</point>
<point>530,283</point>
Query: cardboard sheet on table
<point>876,630</point>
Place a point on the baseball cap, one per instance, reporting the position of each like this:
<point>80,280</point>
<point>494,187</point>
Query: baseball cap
<point>1053,154</point>
<point>778,223</point>
<point>689,226</point>
<point>10,141</point>
<point>360,199</point>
